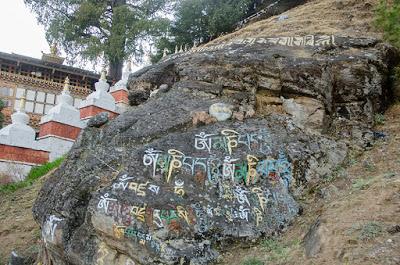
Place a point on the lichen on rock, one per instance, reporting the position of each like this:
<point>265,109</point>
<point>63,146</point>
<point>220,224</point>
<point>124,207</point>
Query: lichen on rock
<point>166,183</point>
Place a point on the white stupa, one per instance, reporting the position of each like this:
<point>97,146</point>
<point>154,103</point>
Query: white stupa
<point>64,112</point>
<point>19,133</point>
<point>100,100</point>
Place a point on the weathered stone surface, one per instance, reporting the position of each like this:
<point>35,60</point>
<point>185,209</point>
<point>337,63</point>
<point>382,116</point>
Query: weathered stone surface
<point>164,183</point>
<point>16,259</point>
<point>99,120</point>
<point>348,77</point>
<point>109,201</point>
<point>315,240</point>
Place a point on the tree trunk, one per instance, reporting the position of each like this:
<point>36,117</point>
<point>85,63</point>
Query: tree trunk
<point>115,70</point>
<point>117,40</point>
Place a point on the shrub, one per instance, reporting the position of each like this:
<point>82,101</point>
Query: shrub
<point>277,251</point>
<point>34,174</point>
<point>362,184</point>
<point>370,231</point>
<point>388,20</point>
<point>379,119</point>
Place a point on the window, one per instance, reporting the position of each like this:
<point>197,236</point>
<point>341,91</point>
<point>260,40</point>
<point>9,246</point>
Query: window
<point>7,102</point>
<point>50,98</point>
<point>6,92</point>
<point>30,94</point>
<point>6,95</point>
<point>40,96</point>
<point>38,102</point>
<point>20,93</point>
<point>29,106</point>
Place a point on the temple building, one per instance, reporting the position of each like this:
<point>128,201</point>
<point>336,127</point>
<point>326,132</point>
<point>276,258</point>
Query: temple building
<point>40,81</point>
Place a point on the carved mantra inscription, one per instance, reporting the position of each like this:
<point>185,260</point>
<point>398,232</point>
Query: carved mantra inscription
<point>304,41</point>
<point>240,184</point>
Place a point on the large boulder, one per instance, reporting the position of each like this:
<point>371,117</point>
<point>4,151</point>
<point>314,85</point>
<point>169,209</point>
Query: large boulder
<point>338,83</point>
<point>150,188</point>
<point>166,183</point>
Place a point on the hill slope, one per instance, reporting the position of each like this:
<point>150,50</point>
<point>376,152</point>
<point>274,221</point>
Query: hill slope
<point>351,18</point>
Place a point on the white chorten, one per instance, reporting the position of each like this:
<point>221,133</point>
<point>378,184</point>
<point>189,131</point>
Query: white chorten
<point>19,133</point>
<point>100,98</point>
<point>64,112</point>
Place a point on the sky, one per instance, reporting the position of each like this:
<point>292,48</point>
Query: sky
<point>21,34</point>
<point>19,30</point>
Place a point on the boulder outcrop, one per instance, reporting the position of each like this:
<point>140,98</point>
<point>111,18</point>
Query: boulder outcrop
<point>166,183</point>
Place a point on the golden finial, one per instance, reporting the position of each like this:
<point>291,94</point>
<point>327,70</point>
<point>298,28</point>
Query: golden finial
<point>54,49</point>
<point>22,104</point>
<point>66,84</point>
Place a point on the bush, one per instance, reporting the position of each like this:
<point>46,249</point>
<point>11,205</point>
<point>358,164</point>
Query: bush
<point>278,252</point>
<point>388,20</point>
<point>370,231</point>
<point>34,174</point>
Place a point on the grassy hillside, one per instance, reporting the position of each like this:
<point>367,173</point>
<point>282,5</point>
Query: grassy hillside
<point>18,230</point>
<point>339,17</point>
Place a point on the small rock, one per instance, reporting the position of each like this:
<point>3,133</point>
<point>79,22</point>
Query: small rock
<point>394,229</point>
<point>153,93</point>
<point>163,88</point>
<point>283,17</point>
<point>98,120</point>
<point>221,111</point>
<point>314,239</point>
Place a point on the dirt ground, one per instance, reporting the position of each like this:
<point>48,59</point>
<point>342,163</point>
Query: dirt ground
<point>18,230</point>
<point>338,17</point>
<point>359,213</point>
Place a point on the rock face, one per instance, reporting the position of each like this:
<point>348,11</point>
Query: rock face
<point>339,83</point>
<point>165,183</point>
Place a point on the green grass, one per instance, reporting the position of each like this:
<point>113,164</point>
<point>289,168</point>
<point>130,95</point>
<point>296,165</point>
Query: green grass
<point>34,174</point>
<point>253,261</point>
<point>370,231</point>
<point>362,184</point>
<point>365,232</point>
<point>278,252</point>
<point>379,119</point>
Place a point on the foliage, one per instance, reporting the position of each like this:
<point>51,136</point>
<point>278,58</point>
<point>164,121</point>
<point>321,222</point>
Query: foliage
<point>379,119</point>
<point>86,29</point>
<point>198,21</point>
<point>362,184</point>
<point>388,19</point>
<point>278,252</point>
<point>2,105</point>
<point>34,174</point>
<point>252,261</point>
<point>370,231</point>
<point>366,232</point>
